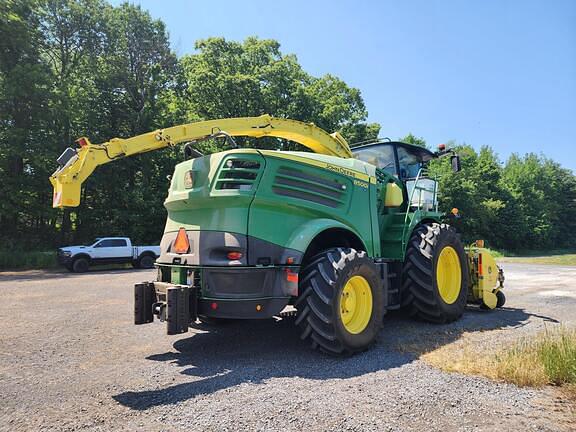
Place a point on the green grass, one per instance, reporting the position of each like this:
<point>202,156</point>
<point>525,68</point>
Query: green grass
<point>565,259</point>
<point>557,353</point>
<point>548,358</point>
<point>22,259</point>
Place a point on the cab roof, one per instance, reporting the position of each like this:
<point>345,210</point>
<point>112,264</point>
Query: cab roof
<point>421,152</point>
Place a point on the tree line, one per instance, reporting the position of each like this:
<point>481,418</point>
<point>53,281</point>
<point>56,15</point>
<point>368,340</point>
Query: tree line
<point>71,68</point>
<point>526,204</point>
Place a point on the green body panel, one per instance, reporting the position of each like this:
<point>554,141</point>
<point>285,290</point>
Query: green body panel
<point>204,207</point>
<point>290,210</point>
<point>288,198</point>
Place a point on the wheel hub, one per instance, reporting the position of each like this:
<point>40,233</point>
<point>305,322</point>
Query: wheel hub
<point>356,304</point>
<point>448,275</point>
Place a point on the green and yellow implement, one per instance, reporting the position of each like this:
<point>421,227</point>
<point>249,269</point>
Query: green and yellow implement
<point>342,235</point>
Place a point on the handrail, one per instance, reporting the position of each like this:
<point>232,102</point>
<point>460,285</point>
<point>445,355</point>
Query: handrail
<point>408,208</point>
<point>419,176</point>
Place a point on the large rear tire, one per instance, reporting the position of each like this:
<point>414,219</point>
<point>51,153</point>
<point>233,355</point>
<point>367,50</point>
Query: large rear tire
<point>341,302</point>
<point>435,274</point>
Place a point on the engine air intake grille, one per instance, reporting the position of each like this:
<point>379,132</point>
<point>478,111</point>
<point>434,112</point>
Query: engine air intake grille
<point>308,186</point>
<point>238,174</point>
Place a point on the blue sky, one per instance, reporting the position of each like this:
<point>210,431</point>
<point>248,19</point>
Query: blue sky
<point>499,73</point>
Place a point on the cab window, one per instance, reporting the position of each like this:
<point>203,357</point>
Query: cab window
<point>382,156</point>
<point>408,162</point>
<point>111,243</point>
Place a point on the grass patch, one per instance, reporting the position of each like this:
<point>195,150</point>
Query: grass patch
<point>563,259</point>
<point>12,259</point>
<point>566,257</point>
<point>547,358</point>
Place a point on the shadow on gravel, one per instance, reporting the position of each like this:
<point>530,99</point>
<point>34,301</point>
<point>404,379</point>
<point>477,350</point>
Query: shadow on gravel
<point>250,352</point>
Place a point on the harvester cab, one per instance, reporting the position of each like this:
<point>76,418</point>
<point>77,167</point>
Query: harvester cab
<point>407,163</point>
<point>339,235</point>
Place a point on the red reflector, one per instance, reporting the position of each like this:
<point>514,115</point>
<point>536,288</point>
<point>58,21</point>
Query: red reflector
<point>181,244</point>
<point>233,256</point>
<point>291,276</point>
<point>289,260</point>
<point>83,142</point>
<point>480,271</point>
<point>214,306</point>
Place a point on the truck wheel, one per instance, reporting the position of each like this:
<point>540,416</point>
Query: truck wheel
<point>80,265</point>
<point>146,262</point>
<point>435,274</point>
<point>501,299</point>
<point>341,305</point>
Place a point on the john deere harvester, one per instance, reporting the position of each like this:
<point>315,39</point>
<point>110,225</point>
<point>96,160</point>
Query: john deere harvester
<point>342,235</point>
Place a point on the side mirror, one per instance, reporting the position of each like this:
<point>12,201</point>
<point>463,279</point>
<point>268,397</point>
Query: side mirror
<point>455,162</point>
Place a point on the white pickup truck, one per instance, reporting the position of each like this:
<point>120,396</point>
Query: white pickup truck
<point>107,250</point>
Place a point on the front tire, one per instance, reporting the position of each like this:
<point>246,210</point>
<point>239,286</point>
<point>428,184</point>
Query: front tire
<point>435,274</point>
<point>80,265</point>
<point>341,302</point>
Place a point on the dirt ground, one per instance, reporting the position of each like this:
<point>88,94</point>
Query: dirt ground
<point>71,359</point>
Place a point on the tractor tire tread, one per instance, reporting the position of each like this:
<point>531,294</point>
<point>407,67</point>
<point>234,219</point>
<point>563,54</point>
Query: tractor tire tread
<point>316,311</point>
<point>419,293</point>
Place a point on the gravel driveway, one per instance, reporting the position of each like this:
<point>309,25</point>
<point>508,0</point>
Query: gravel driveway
<point>71,359</point>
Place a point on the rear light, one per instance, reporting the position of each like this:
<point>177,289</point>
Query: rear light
<point>82,142</point>
<point>233,256</point>
<point>181,244</point>
<point>291,276</point>
<point>188,180</point>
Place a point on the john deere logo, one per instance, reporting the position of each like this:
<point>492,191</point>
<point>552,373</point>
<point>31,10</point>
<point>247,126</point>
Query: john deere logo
<point>340,170</point>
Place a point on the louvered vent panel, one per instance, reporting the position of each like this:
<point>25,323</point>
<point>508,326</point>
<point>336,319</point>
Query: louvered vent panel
<point>238,174</point>
<point>308,186</point>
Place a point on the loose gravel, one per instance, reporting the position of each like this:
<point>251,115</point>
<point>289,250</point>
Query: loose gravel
<point>71,360</point>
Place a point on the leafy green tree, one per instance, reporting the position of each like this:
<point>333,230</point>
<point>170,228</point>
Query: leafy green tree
<point>232,79</point>
<point>25,84</point>
<point>136,67</point>
<point>71,68</point>
<point>413,139</point>
<point>546,197</point>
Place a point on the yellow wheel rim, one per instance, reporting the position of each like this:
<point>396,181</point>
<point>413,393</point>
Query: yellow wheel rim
<point>356,304</point>
<point>448,275</point>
